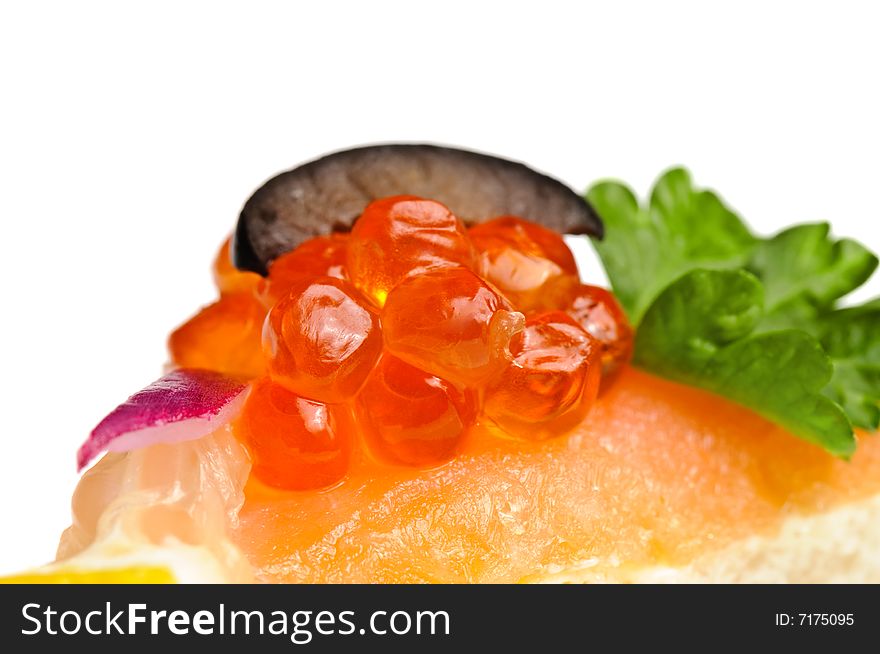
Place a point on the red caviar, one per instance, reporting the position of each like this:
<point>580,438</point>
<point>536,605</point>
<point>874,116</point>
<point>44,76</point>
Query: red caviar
<point>520,257</point>
<point>322,340</point>
<point>322,256</point>
<point>403,334</point>
<point>404,236</point>
<point>452,324</point>
<point>525,237</point>
<point>551,383</point>
<point>411,417</point>
<point>230,279</point>
<point>224,336</point>
<point>600,314</point>
<point>295,443</point>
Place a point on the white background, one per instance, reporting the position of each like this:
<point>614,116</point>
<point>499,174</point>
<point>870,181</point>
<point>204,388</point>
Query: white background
<point>129,140</point>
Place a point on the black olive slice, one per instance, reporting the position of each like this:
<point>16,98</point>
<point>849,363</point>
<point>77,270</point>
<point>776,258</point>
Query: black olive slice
<point>328,194</point>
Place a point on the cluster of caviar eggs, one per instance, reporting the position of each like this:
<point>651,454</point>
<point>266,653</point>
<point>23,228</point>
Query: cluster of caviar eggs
<point>398,338</point>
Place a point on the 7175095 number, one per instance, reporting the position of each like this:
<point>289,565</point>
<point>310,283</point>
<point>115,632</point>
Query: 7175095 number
<point>825,619</point>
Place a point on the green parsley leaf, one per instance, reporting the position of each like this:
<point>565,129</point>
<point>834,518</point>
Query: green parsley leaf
<point>681,228</point>
<point>852,338</point>
<point>700,331</point>
<point>649,253</point>
<point>805,272</point>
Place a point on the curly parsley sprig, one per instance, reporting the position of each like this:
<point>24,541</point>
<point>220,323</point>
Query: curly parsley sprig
<point>755,320</point>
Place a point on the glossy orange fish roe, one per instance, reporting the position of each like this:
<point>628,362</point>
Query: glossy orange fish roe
<point>551,383</point>
<point>520,257</point>
<point>322,256</point>
<point>322,340</point>
<point>453,342</point>
<point>525,237</point>
<point>599,313</point>
<point>452,324</point>
<point>230,279</point>
<point>401,236</point>
<point>295,443</point>
<point>224,336</point>
<point>408,416</point>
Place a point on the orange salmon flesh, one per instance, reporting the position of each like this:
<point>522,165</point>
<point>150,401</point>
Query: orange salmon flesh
<point>657,474</point>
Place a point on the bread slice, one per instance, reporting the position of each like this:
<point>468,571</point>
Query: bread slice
<point>841,545</point>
